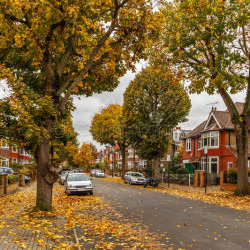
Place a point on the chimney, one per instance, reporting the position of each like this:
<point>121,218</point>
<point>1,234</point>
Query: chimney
<point>215,108</point>
<point>212,108</point>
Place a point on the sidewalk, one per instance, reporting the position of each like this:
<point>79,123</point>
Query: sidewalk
<point>18,231</point>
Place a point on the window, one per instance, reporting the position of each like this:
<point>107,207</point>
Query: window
<point>199,143</point>
<point>14,149</point>
<point>22,151</point>
<point>210,139</point>
<point>131,152</point>
<point>14,160</point>
<point>4,144</point>
<point>4,162</point>
<point>188,144</point>
<point>212,164</point>
<point>230,165</point>
<point>249,164</point>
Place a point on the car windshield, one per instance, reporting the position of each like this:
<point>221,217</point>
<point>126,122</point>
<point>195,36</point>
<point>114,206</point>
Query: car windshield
<point>99,171</point>
<point>78,177</point>
<point>137,174</point>
<point>66,172</point>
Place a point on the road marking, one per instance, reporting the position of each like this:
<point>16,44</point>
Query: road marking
<point>77,241</point>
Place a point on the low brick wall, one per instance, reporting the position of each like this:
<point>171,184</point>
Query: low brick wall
<point>1,191</point>
<point>12,187</point>
<point>227,186</point>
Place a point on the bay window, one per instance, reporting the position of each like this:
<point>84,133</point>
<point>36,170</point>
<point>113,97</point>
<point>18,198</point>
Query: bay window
<point>210,139</point>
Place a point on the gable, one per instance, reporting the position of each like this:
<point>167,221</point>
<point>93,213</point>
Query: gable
<point>212,122</point>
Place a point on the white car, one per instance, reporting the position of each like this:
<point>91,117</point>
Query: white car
<point>78,183</point>
<point>99,173</point>
<point>134,178</point>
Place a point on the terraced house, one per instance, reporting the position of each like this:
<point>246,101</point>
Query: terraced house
<point>217,133</point>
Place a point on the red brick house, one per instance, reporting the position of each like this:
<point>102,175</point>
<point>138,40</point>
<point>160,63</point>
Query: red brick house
<point>13,154</point>
<point>217,133</point>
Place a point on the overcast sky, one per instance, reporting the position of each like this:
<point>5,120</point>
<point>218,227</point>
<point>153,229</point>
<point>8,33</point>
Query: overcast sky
<point>87,107</point>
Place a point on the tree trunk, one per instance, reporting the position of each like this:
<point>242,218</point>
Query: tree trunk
<point>156,167</point>
<point>242,152</point>
<point>123,161</point>
<point>46,174</point>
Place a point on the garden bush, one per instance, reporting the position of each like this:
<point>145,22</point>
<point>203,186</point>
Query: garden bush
<point>182,170</point>
<point>13,179</point>
<point>232,175</point>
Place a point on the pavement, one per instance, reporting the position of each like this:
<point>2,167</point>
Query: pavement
<point>14,235</point>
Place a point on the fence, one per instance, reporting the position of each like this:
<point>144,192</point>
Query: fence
<point>183,179</point>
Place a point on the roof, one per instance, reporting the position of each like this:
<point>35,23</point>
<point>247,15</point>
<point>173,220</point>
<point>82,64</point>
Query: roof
<point>195,132</point>
<point>217,120</point>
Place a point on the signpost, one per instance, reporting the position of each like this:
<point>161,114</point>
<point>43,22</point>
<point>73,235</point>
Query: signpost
<point>205,152</point>
<point>168,160</point>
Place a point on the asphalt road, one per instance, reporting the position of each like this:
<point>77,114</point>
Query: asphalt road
<point>189,224</point>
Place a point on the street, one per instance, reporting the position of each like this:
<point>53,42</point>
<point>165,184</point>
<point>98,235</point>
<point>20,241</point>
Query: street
<point>186,223</point>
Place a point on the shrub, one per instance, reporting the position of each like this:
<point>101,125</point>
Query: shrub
<point>13,179</point>
<point>182,170</point>
<point>232,175</point>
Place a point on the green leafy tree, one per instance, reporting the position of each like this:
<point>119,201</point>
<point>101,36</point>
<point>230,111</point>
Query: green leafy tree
<point>209,42</point>
<point>51,50</point>
<point>107,127</point>
<point>154,103</point>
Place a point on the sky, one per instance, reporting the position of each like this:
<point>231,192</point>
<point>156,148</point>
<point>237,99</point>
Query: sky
<point>87,107</point>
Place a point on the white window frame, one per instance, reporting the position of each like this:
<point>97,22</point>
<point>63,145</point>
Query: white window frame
<point>208,137</point>
<point>199,143</point>
<point>22,151</point>
<point>14,160</point>
<point>4,162</point>
<point>230,165</point>
<point>4,144</point>
<point>14,149</point>
<point>248,163</point>
<point>209,162</point>
<point>188,145</point>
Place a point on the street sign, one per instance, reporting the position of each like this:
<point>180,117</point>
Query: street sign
<point>205,150</point>
<point>168,158</point>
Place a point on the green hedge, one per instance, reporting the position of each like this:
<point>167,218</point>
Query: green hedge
<point>13,179</point>
<point>232,175</point>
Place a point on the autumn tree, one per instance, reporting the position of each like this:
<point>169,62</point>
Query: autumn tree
<point>107,128</point>
<point>154,103</point>
<point>86,155</point>
<point>209,42</point>
<point>51,50</point>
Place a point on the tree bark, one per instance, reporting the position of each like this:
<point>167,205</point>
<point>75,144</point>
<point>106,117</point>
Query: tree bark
<point>242,162</point>
<point>156,168</point>
<point>46,174</point>
<point>241,126</point>
<point>123,161</point>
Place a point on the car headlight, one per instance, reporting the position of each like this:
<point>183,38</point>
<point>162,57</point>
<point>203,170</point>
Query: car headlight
<point>70,186</point>
<point>89,185</point>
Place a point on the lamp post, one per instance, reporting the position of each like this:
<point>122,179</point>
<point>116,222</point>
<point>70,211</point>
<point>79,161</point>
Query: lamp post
<point>205,152</point>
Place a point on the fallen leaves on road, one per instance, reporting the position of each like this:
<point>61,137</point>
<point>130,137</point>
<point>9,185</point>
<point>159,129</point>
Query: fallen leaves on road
<point>93,220</point>
<point>222,198</point>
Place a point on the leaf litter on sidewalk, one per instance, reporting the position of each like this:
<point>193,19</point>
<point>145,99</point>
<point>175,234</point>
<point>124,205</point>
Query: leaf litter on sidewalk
<point>98,224</point>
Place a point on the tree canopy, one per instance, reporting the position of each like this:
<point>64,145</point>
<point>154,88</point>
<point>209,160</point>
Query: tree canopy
<point>154,103</point>
<point>208,41</point>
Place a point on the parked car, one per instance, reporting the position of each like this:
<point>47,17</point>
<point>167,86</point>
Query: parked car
<point>99,173</point>
<point>64,175</point>
<point>78,183</point>
<point>6,170</point>
<point>92,172</point>
<point>10,171</point>
<point>134,178</point>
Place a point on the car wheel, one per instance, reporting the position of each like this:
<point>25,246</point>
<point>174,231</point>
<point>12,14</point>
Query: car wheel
<point>91,193</point>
